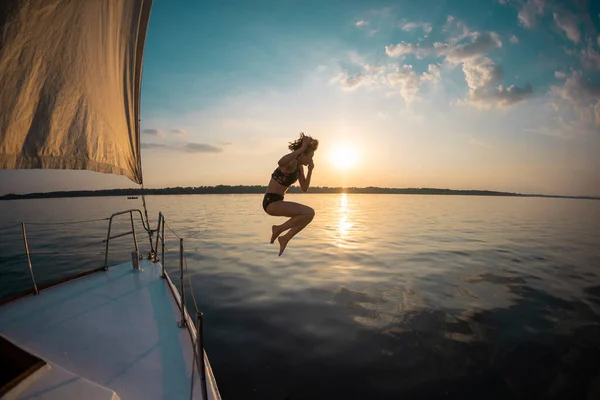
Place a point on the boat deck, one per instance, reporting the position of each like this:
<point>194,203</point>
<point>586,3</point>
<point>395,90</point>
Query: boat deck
<point>117,329</point>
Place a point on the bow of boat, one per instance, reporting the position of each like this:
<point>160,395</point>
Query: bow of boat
<point>110,333</point>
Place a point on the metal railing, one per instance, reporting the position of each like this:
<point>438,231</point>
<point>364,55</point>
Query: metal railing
<point>199,354</point>
<point>131,232</point>
<point>160,234</point>
<point>195,330</point>
<point>35,288</point>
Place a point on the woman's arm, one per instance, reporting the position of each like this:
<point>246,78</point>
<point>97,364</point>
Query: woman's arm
<point>295,154</point>
<point>301,178</point>
<point>305,181</point>
<point>285,160</point>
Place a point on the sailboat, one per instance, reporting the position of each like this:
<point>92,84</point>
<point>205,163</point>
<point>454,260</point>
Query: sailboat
<point>70,78</point>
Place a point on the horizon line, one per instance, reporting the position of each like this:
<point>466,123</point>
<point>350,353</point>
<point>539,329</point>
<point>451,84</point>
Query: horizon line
<point>293,189</point>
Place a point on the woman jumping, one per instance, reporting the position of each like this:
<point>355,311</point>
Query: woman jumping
<point>290,169</point>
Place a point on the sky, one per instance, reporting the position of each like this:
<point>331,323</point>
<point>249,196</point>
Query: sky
<point>494,94</point>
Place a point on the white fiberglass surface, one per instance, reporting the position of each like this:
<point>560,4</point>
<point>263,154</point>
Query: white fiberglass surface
<point>116,328</point>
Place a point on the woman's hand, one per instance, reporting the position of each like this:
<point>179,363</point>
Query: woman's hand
<point>311,165</point>
<point>305,143</point>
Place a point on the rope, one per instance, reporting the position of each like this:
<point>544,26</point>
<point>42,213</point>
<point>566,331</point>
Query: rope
<point>196,355</point>
<point>70,251</point>
<point>186,269</point>
<point>197,236</point>
<point>68,222</point>
<point>174,233</point>
<point>91,244</point>
<point>57,253</point>
<point>9,226</point>
<point>187,272</point>
<point>145,209</point>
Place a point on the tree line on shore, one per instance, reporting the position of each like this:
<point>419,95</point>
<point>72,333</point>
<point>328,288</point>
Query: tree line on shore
<point>258,189</point>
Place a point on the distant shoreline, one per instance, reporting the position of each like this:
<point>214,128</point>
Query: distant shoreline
<point>241,189</point>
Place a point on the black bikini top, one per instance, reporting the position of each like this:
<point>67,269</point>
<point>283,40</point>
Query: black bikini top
<point>283,178</point>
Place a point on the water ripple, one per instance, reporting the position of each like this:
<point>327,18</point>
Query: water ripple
<point>382,296</point>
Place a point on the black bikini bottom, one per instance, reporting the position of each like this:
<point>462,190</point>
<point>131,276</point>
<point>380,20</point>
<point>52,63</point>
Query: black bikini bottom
<point>271,198</point>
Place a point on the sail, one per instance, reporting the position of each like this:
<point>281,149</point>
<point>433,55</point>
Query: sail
<point>70,75</point>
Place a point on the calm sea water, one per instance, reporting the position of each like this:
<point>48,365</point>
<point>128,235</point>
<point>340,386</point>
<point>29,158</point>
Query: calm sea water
<point>381,297</point>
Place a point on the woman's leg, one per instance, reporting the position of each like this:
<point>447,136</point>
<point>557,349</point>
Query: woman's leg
<point>283,240</point>
<point>300,214</point>
<point>277,230</point>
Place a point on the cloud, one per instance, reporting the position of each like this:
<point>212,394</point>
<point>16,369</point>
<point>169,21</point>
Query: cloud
<point>456,29</point>
<point>483,78</point>
<point>529,12</point>
<point>200,148</point>
<point>186,147</point>
<point>438,49</point>
<point>465,47</point>
<point>152,131</point>
<point>502,1</point>
<point>577,102</point>
<point>363,24</point>
<point>481,43</point>
<point>411,26</point>
<point>371,76</point>
<point>433,73</point>
<point>406,81</point>
<point>507,96</point>
<point>353,82</point>
<point>403,79</point>
<point>577,89</point>
<point>560,75</point>
<point>569,24</point>
<point>153,146</point>
<point>514,39</point>
<point>404,48</point>
<point>161,133</point>
<point>499,96</point>
<point>574,18</point>
<point>590,58</point>
<point>375,20</point>
<point>482,73</point>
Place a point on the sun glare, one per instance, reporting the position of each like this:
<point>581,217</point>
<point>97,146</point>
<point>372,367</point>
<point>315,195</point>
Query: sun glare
<point>343,157</point>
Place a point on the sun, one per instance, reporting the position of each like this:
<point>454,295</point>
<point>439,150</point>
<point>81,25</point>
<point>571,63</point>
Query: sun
<point>343,157</point>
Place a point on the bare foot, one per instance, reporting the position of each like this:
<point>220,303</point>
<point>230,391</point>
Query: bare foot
<point>283,241</point>
<point>275,234</point>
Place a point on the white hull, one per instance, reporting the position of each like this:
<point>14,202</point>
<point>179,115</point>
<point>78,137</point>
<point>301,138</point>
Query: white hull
<point>115,331</point>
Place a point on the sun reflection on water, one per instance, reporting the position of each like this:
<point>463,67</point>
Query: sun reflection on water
<point>344,226</point>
